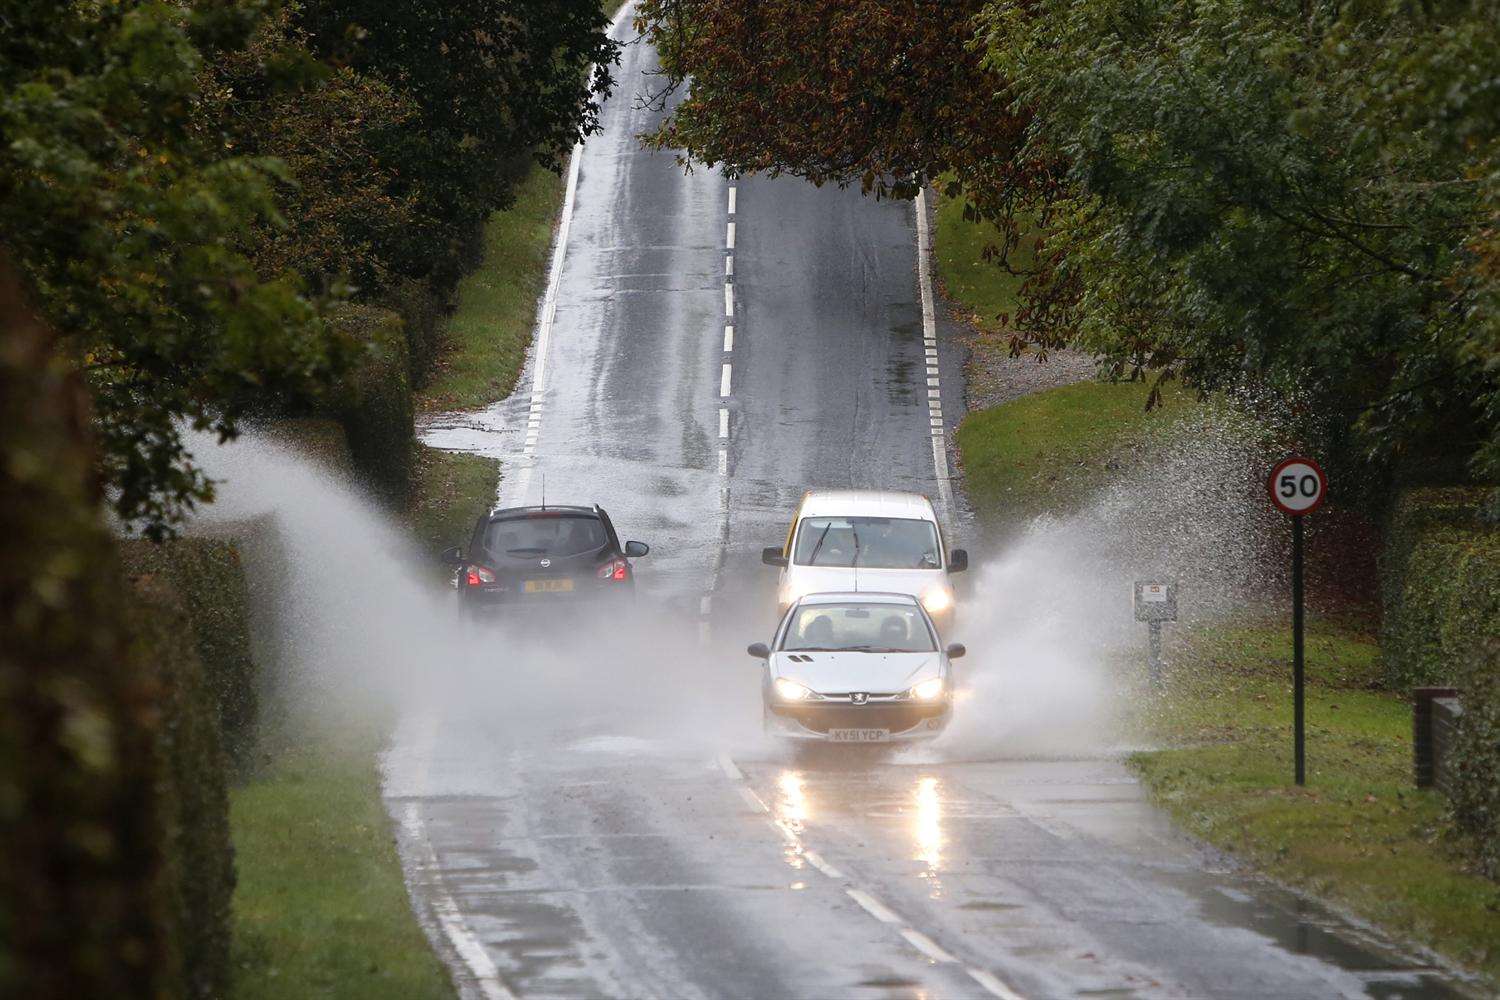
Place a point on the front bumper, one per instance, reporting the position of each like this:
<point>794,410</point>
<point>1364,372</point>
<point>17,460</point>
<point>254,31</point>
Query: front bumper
<point>904,720</point>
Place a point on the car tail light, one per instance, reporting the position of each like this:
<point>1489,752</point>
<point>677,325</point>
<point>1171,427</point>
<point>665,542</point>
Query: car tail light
<point>615,569</point>
<point>478,575</point>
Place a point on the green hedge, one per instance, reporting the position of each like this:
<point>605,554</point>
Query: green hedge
<point>197,876</point>
<point>209,575</point>
<point>377,412</point>
<point>1441,582</point>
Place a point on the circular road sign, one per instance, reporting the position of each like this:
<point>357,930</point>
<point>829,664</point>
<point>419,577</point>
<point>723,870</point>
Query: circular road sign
<point>1297,486</point>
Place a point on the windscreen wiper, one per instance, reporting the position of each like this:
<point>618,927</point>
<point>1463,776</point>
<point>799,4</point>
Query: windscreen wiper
<point>812,558</point>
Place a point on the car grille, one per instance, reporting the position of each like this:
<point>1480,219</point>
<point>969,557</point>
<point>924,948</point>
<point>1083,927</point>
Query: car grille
<point>896,718</point>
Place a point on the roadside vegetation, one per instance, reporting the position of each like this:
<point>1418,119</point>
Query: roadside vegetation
<point>219,212</point>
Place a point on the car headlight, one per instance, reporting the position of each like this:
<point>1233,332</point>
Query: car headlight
<point>937,600</point>
<point>790,690</point>
<point>929,690</point>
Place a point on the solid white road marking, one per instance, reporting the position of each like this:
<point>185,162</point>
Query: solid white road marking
<point>728,339</point>
<point>926,945</point>
<point>873,906</point>
<point>731,199</point>
<point>724,380</point>
<point>729,236</point>
<point>723,423</point>
<point>728,300</point>
<point>929,336</point>
<point>992,983</point>
<point>450,919</point>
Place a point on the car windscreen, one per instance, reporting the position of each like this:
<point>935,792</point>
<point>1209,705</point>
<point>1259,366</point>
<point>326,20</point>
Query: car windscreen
<point>551,535</point>
<point>875,628</point>
<point>871,542</point>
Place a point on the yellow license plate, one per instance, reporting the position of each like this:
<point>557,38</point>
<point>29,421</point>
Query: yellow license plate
<point>548,586</point>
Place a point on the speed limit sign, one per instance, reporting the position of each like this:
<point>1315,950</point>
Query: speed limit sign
<point>1297,486</point>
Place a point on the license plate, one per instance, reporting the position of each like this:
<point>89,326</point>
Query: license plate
<point>548,586</point>
<point>859,735</point>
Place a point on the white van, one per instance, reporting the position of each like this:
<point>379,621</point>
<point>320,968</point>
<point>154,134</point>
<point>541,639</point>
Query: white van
<point>848,541</point>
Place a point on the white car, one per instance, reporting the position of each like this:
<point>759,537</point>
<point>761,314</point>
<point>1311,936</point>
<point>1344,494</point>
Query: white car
<point>856,668</point>
<point>867,540</point>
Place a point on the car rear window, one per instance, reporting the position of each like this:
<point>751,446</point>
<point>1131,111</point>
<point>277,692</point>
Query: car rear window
<point>548,535</point>
<point>872,542</point>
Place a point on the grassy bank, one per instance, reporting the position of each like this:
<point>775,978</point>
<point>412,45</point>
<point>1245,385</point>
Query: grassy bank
<point>1048,452</point>
<point>981,288</point>
<point>321,909</point>
<point>1358,833</point>
<point>484,342</point>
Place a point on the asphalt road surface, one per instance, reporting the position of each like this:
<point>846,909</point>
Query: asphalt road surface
<point>598,815</point>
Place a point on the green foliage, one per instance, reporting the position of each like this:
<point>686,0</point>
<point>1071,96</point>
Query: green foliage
<point>1239,202</point>
<point>496,84</point>
<point>1440,573</point>
<point>1475,796</point>
<point>376,411</point>
<point>79,853</point>
<point>208,578</point>
<point>127,226</point>
<point>197,878</point>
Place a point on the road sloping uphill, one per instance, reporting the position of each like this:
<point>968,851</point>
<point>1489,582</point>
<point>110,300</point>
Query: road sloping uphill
<point>601,818</point>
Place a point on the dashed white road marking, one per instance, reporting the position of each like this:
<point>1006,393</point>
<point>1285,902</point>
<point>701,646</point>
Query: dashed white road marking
<point>992,983</point>
<point>729,266</point>
<point>723,423</point>
<point>873,906</point>
<point>728,339</point>
<point>728,300</point>
<point>752,799</point>
<point>730,768</point>
<point>729,233</point>
<point>731,199</point>
<point>724,380</point>
<point>723,462</point>
<point>926,945</point>
<point>816,860</point>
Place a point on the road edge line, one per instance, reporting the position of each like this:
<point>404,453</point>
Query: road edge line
<point>929,338</point>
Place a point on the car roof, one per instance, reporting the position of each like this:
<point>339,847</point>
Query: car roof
<point>869,503</point>
<point>562,508</point>
<point>857,597</point>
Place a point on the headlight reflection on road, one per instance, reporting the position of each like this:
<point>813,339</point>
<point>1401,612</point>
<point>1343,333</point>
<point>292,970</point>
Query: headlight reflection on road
<point>791,808</point>
<point>929,829</point>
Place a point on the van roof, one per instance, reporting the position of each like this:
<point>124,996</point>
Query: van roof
<point>866,503</point>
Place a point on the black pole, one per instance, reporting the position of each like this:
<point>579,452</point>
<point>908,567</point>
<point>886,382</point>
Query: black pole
<point>1297,648</point>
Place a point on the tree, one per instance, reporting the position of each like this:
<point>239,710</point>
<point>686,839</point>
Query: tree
<point>497,84</point>
<point>129,232</point>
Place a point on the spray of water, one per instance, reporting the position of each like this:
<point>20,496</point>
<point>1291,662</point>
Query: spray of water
<point>1055,649</point>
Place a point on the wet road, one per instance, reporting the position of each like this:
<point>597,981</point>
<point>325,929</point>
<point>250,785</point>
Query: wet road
<point>604,819</point>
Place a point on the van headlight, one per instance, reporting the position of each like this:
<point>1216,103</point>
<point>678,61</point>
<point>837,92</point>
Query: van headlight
<point>790,690</point>
<point>929,690</point>
<point>937,599</point>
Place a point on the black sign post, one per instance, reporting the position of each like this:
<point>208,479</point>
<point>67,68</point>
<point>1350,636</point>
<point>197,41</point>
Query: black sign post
<point>1297,487</point>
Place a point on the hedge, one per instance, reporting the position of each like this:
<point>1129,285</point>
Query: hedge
<point>1441,584</point>
<point>209,576</point>
<point>197,876</point>
<point>79,854</point>
<point>378,411</point>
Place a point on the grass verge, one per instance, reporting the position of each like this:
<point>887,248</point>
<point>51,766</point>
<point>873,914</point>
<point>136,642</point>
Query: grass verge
<point>321,909</point>
<point>484,342</point>
<point>983,288</point>
<point>451,490</point>
<point>1049,451</point>
<point>1358,833</point>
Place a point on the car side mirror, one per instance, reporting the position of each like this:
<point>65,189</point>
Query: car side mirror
<point>759,650</point>
<point>452,556</point>
<point>772,555</point>
<point>956,649</point>
<point>636,549</point>
<point>958,560</point>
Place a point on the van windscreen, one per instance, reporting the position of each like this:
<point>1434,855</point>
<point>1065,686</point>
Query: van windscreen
<point>870,542</point>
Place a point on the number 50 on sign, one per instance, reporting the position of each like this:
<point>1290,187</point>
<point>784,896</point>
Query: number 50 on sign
<point>1298,486</point>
